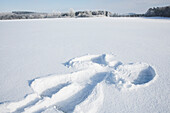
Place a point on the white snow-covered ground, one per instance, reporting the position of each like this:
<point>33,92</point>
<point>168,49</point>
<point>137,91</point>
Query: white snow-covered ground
<point>85,65</point>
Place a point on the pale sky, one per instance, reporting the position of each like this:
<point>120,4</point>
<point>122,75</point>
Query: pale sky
<point>115,6</point>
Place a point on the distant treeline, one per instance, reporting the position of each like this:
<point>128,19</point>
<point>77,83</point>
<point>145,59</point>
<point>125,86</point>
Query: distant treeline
<point>159,11</point>
<point>71,14</point>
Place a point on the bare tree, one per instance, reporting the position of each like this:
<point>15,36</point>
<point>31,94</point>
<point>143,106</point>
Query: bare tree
<point>72,13</point>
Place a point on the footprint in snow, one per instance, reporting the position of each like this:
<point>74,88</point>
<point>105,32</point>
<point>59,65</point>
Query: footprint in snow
<point>81,91</point>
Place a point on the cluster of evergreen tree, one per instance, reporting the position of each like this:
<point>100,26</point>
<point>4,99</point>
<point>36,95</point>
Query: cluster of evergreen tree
<point>159,11</point>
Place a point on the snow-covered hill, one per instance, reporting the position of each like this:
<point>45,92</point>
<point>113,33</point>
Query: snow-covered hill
<point>133,76</point>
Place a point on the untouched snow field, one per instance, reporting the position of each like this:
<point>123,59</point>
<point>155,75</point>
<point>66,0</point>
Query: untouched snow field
<point>88,65</point>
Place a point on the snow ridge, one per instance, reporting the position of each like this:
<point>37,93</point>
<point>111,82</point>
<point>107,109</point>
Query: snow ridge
<point>82,91</point>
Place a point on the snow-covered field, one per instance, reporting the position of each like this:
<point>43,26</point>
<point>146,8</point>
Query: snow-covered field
<point>88,65</point>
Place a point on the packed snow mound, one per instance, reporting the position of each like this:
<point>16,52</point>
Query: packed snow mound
<point>82,91</point>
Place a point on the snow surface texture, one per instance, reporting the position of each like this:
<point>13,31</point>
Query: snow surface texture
<point>82,91</point>
<point>32,49</point>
